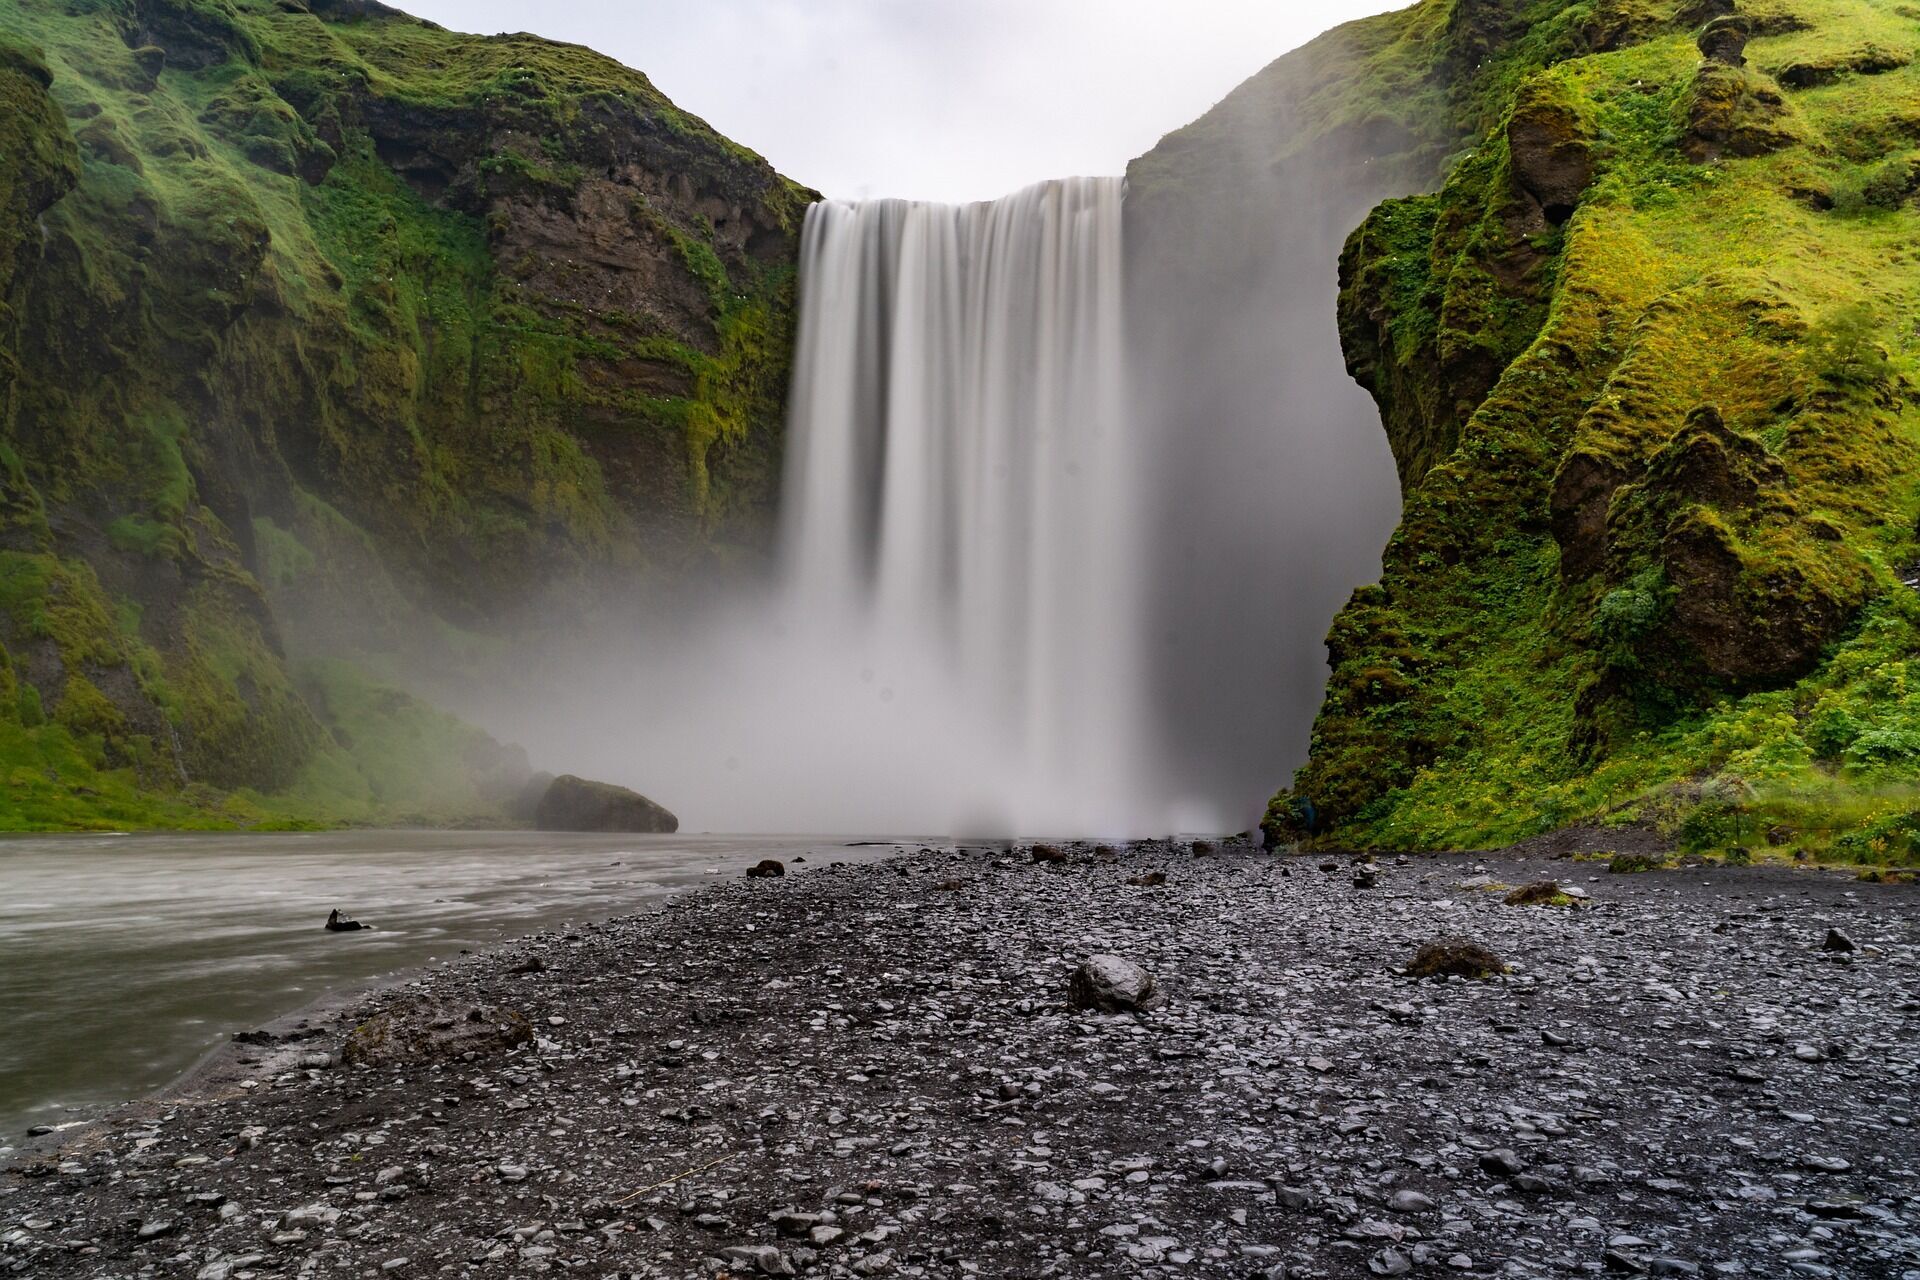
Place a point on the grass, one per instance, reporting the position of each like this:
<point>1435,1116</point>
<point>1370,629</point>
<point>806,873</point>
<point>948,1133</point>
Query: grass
<point>259,366</point>
<point>1492,689</point>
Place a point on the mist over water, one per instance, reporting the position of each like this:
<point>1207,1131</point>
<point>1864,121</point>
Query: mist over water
<point>1063,524</point>
<point>952,641</point>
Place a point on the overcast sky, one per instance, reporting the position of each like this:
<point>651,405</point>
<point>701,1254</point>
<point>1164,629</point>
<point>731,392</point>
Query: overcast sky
<point>930,99</point>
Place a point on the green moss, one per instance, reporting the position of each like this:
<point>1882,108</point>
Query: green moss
<point>1659,471</point>
<point>279,329</point>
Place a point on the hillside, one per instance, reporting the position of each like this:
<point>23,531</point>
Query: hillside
<point>328,335</point>
<point>1645,356</point>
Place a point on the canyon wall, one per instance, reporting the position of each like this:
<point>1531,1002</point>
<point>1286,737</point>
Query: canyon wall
<point>329,338</point>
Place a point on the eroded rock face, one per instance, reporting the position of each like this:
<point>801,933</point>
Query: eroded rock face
<point>1734,111</point>
<point>1552,158</point>
<point>577,804</point>
<point>1725,40</point>
<point>1756,592</point>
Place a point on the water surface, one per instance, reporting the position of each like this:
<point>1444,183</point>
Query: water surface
<point>123,959</point>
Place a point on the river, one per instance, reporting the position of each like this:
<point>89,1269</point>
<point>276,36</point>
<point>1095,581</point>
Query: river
<point>123,959</point>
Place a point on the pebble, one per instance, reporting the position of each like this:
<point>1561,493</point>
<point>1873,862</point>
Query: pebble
<point>855,1073</point>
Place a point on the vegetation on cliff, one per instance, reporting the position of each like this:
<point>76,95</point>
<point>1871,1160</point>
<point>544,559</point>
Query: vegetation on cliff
<point>1646,358</point>
<point>318,312</point>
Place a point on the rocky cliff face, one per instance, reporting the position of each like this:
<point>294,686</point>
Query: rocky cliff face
<point>1271,458</point>
<point>1645,359</point>
<point>316,312</point>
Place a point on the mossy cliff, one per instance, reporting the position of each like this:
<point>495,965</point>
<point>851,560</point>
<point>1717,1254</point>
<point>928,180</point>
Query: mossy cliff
<point>319,312</point>
<point>1646,357</point>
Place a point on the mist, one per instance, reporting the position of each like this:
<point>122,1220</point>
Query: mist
<point>1075,483</point>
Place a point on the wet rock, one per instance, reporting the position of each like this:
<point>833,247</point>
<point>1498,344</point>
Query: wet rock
<point>860,1076</point>
<point>1541,893</point>
<point>433,1032</point>
<point>577,804</point>
<point>1503,1162</point>
<point>1456,957</point>
<point>1838,941</point>
<point>1111,984</point>
<point>338,923</point>
<point>1724,40</point>
<point>767,869</point>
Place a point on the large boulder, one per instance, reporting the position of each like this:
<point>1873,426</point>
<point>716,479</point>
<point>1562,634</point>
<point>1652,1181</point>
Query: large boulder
<point>576,804</point>
<point>1111,984</point>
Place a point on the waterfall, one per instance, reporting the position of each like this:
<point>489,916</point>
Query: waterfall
<point>960,514</point>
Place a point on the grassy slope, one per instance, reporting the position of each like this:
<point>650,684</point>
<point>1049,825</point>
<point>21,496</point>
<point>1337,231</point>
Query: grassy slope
<point>1725,645</point>
<point>250,362</point>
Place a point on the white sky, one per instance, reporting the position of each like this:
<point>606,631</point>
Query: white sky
<point>930,99</point>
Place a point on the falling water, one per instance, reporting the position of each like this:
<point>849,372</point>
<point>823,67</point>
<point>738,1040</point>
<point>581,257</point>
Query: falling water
<point>959,504</point>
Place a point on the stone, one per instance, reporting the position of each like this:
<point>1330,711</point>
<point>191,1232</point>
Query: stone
<point>1724,40</point>
<point>1456,957</point>
<point>1838,941</point>
<point>1111,984</point>
<point>1502,1162</point>
<point>340,923</point>
<point>577,804</point>
<point>767,869</point>
<point>431,1031</point>
<point>1542,893</point>
<point>1552,159</point>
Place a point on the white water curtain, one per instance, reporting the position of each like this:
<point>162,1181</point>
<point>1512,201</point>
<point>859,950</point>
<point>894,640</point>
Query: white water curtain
<point>960,497</point>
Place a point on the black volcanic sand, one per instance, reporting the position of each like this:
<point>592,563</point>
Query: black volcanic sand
<point>872,1071</point>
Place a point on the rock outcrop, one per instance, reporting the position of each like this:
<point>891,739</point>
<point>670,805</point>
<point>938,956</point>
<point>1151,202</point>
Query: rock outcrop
<point>328,333</point>
<point>577,804</point>
<point>1656,488</point>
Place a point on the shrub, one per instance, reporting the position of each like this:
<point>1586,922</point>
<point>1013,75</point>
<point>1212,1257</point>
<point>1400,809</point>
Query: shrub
<point>1843,348</point>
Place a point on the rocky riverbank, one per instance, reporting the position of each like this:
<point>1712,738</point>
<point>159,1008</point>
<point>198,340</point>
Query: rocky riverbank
<point>876,1071</point>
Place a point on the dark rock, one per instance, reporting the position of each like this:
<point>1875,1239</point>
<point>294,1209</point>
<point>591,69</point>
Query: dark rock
<point>1111,985</point>
<point>1502,1163</point>
<point>1048,853</point>
<point>1456,957</point>
<point>1734,112</point>
<point>576,804</point>
<point>1552,159</point>
<point>431,1032</point>
<point>1837,941</point>
<point>1725,40</point>
<point>1871,61</point>
<point>767,869</point>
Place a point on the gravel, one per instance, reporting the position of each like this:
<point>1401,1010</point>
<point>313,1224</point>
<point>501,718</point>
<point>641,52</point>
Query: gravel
<point>876,1071</point>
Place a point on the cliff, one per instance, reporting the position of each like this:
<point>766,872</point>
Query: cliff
<point>323,329</point>
<point>1645,357</point>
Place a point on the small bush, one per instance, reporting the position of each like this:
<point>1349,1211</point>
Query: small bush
<point>1882,748</point>
<point>1843,349</point>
